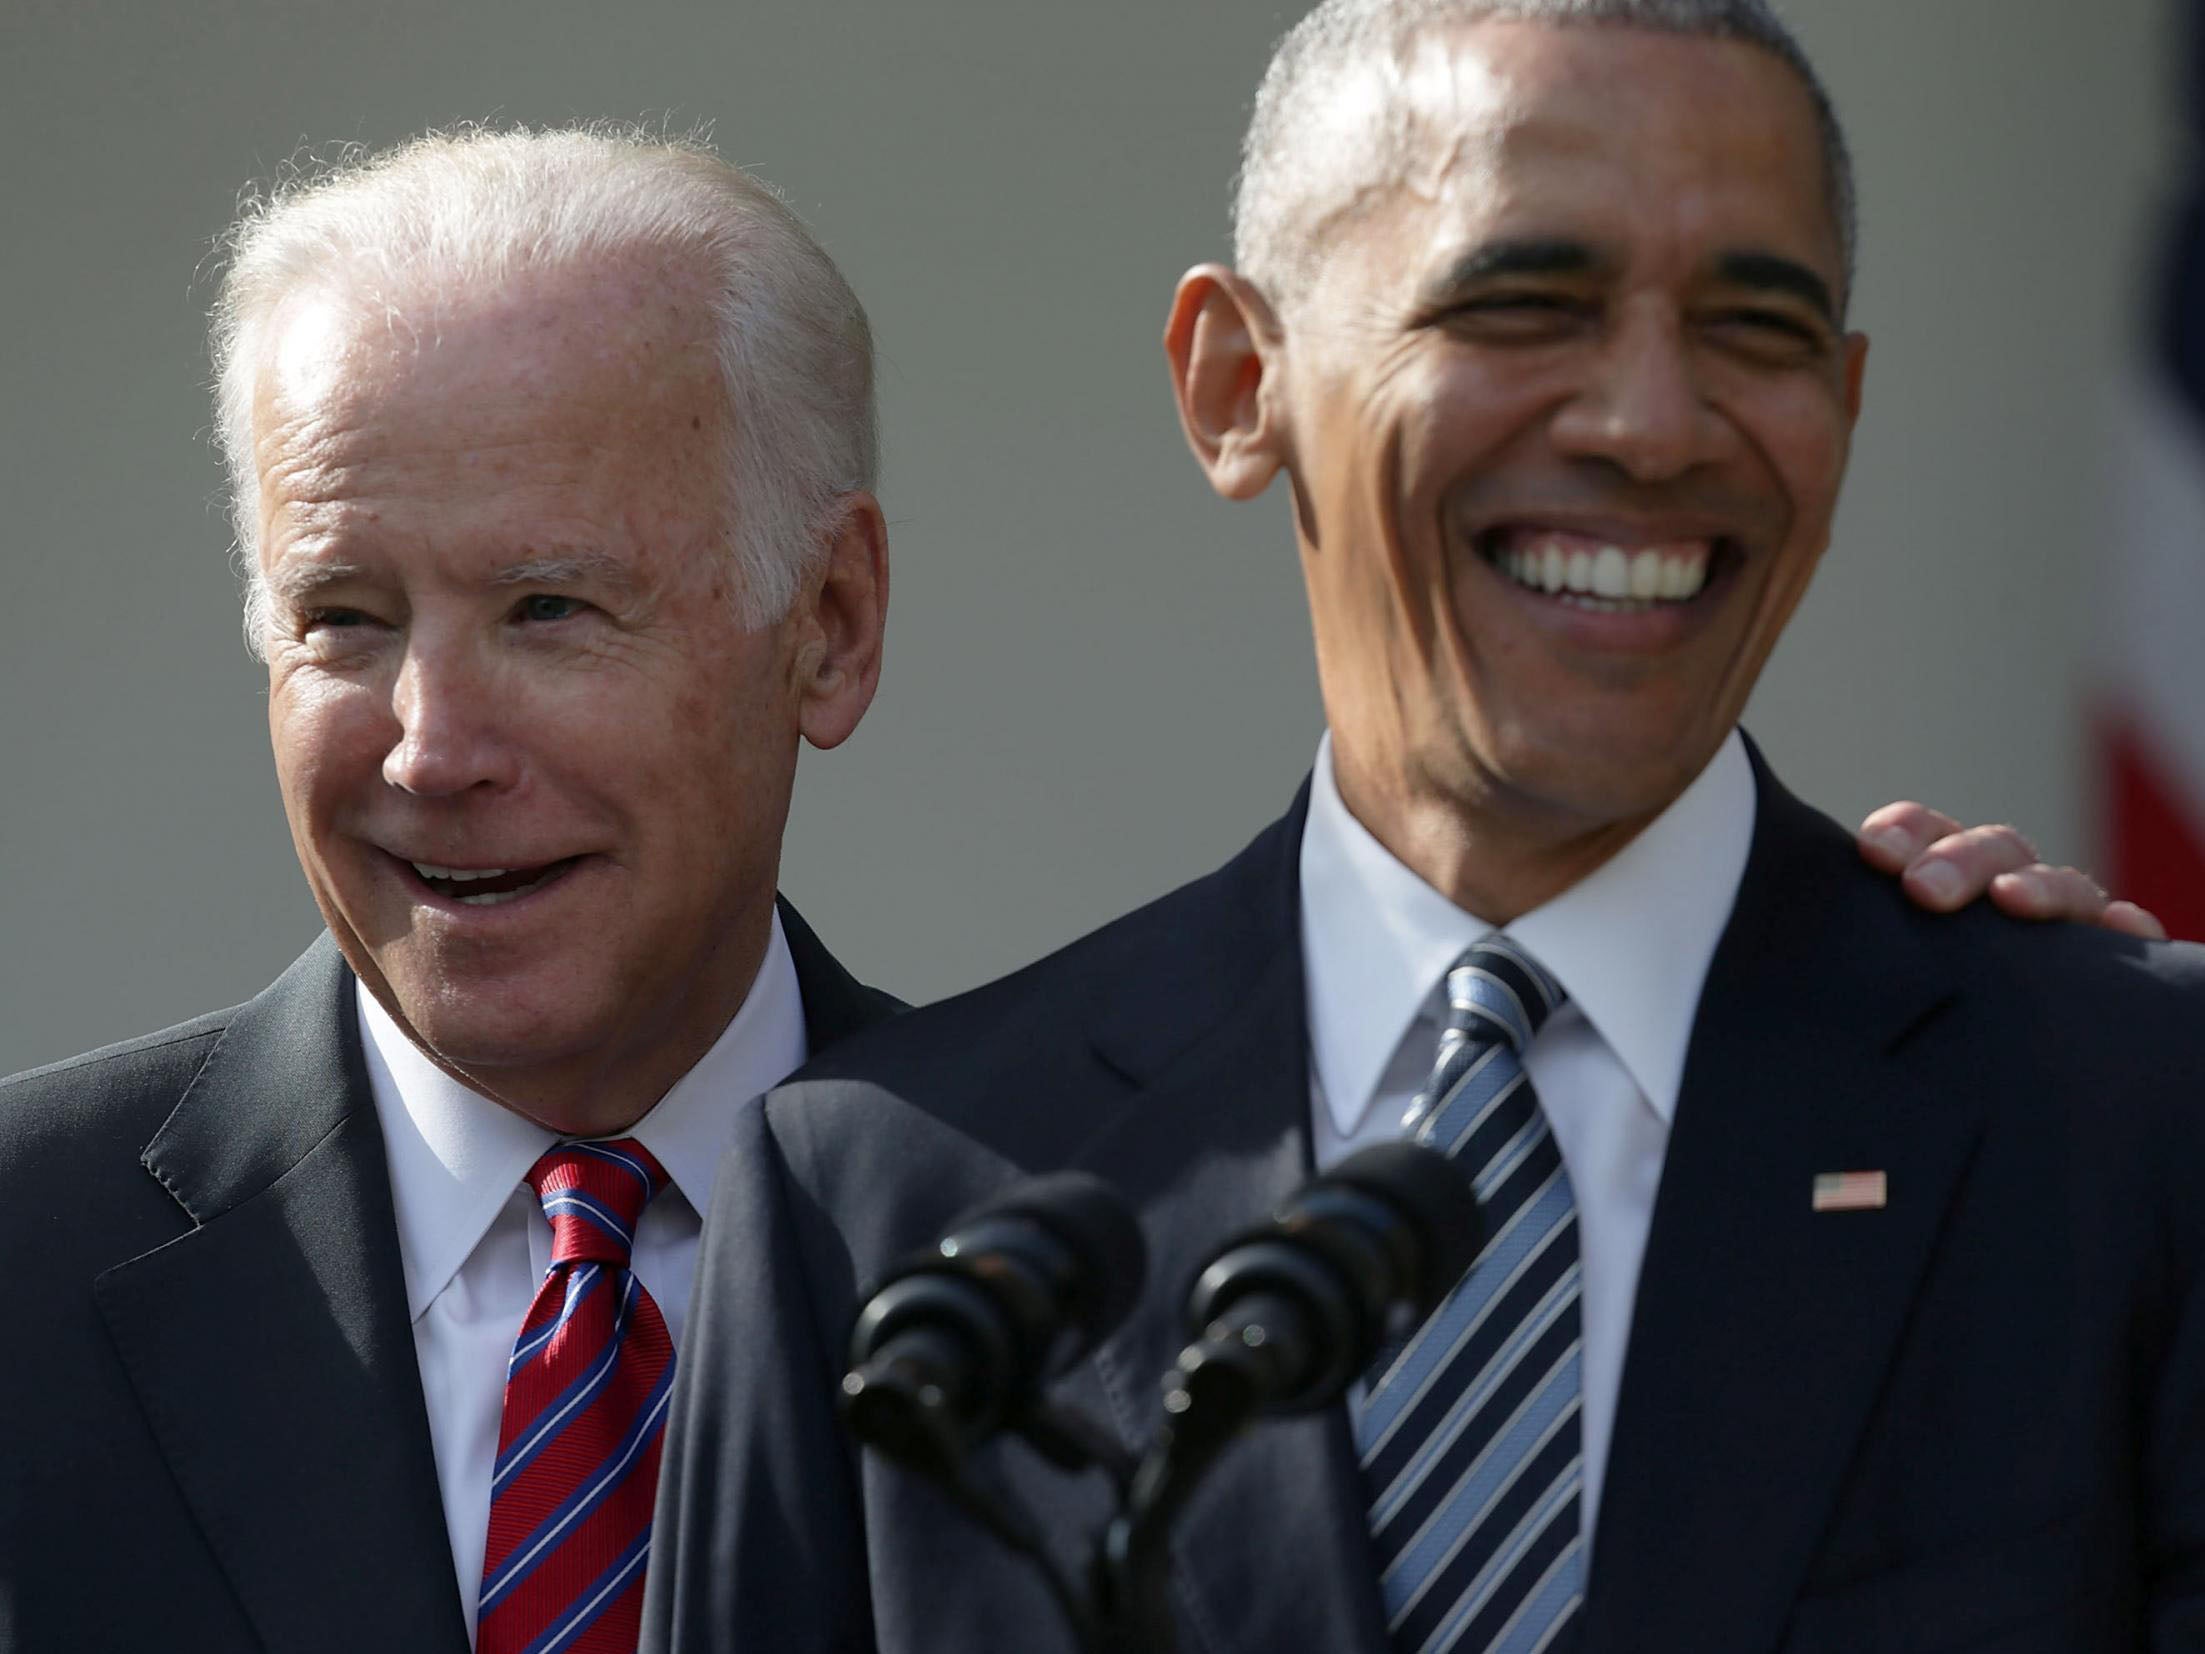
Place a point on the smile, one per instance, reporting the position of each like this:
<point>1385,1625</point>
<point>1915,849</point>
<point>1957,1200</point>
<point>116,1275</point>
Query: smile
<point>488,886</point>
<point>1586,573</point>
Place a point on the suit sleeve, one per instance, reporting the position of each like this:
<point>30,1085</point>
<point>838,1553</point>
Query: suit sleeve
<point>758,1542</point>
<point>2174,1435</point>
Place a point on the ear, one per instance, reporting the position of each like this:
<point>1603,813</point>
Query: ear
<point>1222,341</point>
<point>1856,370</point>
<point>838,657</point>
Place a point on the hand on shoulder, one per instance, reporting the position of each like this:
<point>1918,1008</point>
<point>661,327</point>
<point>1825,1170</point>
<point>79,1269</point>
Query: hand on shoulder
<point>1944,866</point>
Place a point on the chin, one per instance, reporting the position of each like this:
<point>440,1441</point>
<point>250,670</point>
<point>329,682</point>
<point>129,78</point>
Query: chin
<point>1599,782</point>
<point>457,1026</point>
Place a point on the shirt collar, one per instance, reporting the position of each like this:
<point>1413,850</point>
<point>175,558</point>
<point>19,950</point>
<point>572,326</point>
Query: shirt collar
<point>1631,941</point>
<point>456,1157</point>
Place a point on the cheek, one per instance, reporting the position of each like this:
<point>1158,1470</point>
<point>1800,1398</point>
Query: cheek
<point>718,735</point>
<point>320,733</point>
<point>1801,429</point>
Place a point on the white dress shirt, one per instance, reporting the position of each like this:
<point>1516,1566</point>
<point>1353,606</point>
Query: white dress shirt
<point>475,1242</point>
<point>1631,942</point>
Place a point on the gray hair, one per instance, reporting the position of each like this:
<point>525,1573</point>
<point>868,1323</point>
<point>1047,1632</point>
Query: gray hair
<point>476,205</point>
<point>1277,205</point>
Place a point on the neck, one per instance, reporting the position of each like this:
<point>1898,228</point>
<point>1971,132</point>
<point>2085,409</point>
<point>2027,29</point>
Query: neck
<point>604,1092</point>
<point>1496,859</point>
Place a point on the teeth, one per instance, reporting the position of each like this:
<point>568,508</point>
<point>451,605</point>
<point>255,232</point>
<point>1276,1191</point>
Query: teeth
<point>491,898</point>
<point>1605,577</point>
<point>455,874</point>
<point>1611,573</point>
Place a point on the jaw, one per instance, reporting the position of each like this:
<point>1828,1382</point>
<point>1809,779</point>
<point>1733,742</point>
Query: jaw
<point>553,1003</point>
<point>1586,710</point>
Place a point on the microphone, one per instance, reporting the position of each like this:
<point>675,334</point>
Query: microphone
<point>1285,1317</point>
<point>955,1344</point>
<point>1282,1320</point>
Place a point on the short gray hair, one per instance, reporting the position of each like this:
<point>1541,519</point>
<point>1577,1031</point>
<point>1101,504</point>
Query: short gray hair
<point>477,205</point>
<point>1277,209</point>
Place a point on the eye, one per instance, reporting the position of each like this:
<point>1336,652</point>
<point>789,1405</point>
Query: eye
<point>543,607</point>
<point>1774,334</point>
<point>1520,313</point>
<point>336,620</point>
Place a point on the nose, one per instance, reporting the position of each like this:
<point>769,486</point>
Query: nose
<point>1641,406</point>
<point>451,726</point>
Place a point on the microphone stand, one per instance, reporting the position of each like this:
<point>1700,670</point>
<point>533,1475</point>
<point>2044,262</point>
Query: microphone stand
<point>908,1416</point>
<point>1215,1391</point>
<point>1286,1316</point>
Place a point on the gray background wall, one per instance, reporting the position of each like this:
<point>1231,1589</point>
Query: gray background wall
<point>1098,679</point>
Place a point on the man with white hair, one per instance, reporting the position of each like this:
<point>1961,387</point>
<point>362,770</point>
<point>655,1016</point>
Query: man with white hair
<point>1842,1277</point>
<point>346,1316</point>
<point>349,1312</point>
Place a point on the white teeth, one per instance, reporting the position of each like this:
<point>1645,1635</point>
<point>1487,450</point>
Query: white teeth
<point>1611,573</point>
<point>491,898</point>
<point>1605,576</point>
<point>456,874</point>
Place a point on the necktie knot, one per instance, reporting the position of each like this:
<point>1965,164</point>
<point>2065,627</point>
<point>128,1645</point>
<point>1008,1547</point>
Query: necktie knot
<point>593,1193</point>
<point>1498,991</point>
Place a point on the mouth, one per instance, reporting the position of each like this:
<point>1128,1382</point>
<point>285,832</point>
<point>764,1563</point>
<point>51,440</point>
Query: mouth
<point>490,886</point>
<point>1586,572</point>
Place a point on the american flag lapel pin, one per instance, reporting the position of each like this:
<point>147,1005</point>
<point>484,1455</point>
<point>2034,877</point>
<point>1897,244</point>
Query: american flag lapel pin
<point>1849,1191</point>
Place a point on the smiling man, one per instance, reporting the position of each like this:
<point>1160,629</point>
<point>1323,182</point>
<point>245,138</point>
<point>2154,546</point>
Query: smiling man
<point>552,459</point>
<point>1841,1286</point>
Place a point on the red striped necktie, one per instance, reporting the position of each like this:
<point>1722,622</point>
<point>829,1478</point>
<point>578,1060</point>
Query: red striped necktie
<point>585,1409</point>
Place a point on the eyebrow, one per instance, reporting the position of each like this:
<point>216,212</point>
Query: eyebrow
<point>297,584</point>
<point>1773,273</point>
<point>1553,256</point>
<point>1541,257</point>
<point>568,569</point>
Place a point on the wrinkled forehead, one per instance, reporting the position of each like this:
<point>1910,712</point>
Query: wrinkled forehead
<point>1530,114</point>
<point>623,327</point>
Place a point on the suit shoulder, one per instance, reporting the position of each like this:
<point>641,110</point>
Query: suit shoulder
<point>2054,971</point>
<point>964,1027</point>
<point>126,1090</point>
<point>2078,971</point>
<point>1175,955</point>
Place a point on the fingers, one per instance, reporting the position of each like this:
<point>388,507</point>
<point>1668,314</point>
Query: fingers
<point>1893,836</point>
<point>1943,865</point>
<point>2041,892</point>
<point>1959,867</point>
<point>2132,920</point>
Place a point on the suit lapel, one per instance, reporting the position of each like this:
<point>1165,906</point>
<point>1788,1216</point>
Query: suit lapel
<point>836,1004</point>
<point>1763,1328</point>
<point>1211,1034</point>
<point>270,1346</point>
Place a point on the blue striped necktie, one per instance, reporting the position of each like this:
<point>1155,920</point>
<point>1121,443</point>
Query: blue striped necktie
<point>1469,1434</point>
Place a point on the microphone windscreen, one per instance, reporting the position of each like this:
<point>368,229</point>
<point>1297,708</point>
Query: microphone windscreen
<point>1436,1195</point>
<point>1090,1219</point>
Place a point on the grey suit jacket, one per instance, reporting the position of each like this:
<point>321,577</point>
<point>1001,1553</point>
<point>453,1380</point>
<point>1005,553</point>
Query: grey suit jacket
<point>1974,1419</point>
<point>212,1435</point>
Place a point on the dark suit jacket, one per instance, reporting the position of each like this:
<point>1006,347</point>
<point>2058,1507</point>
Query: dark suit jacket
<point>211,1427</point>
<point>1974,1419</point>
